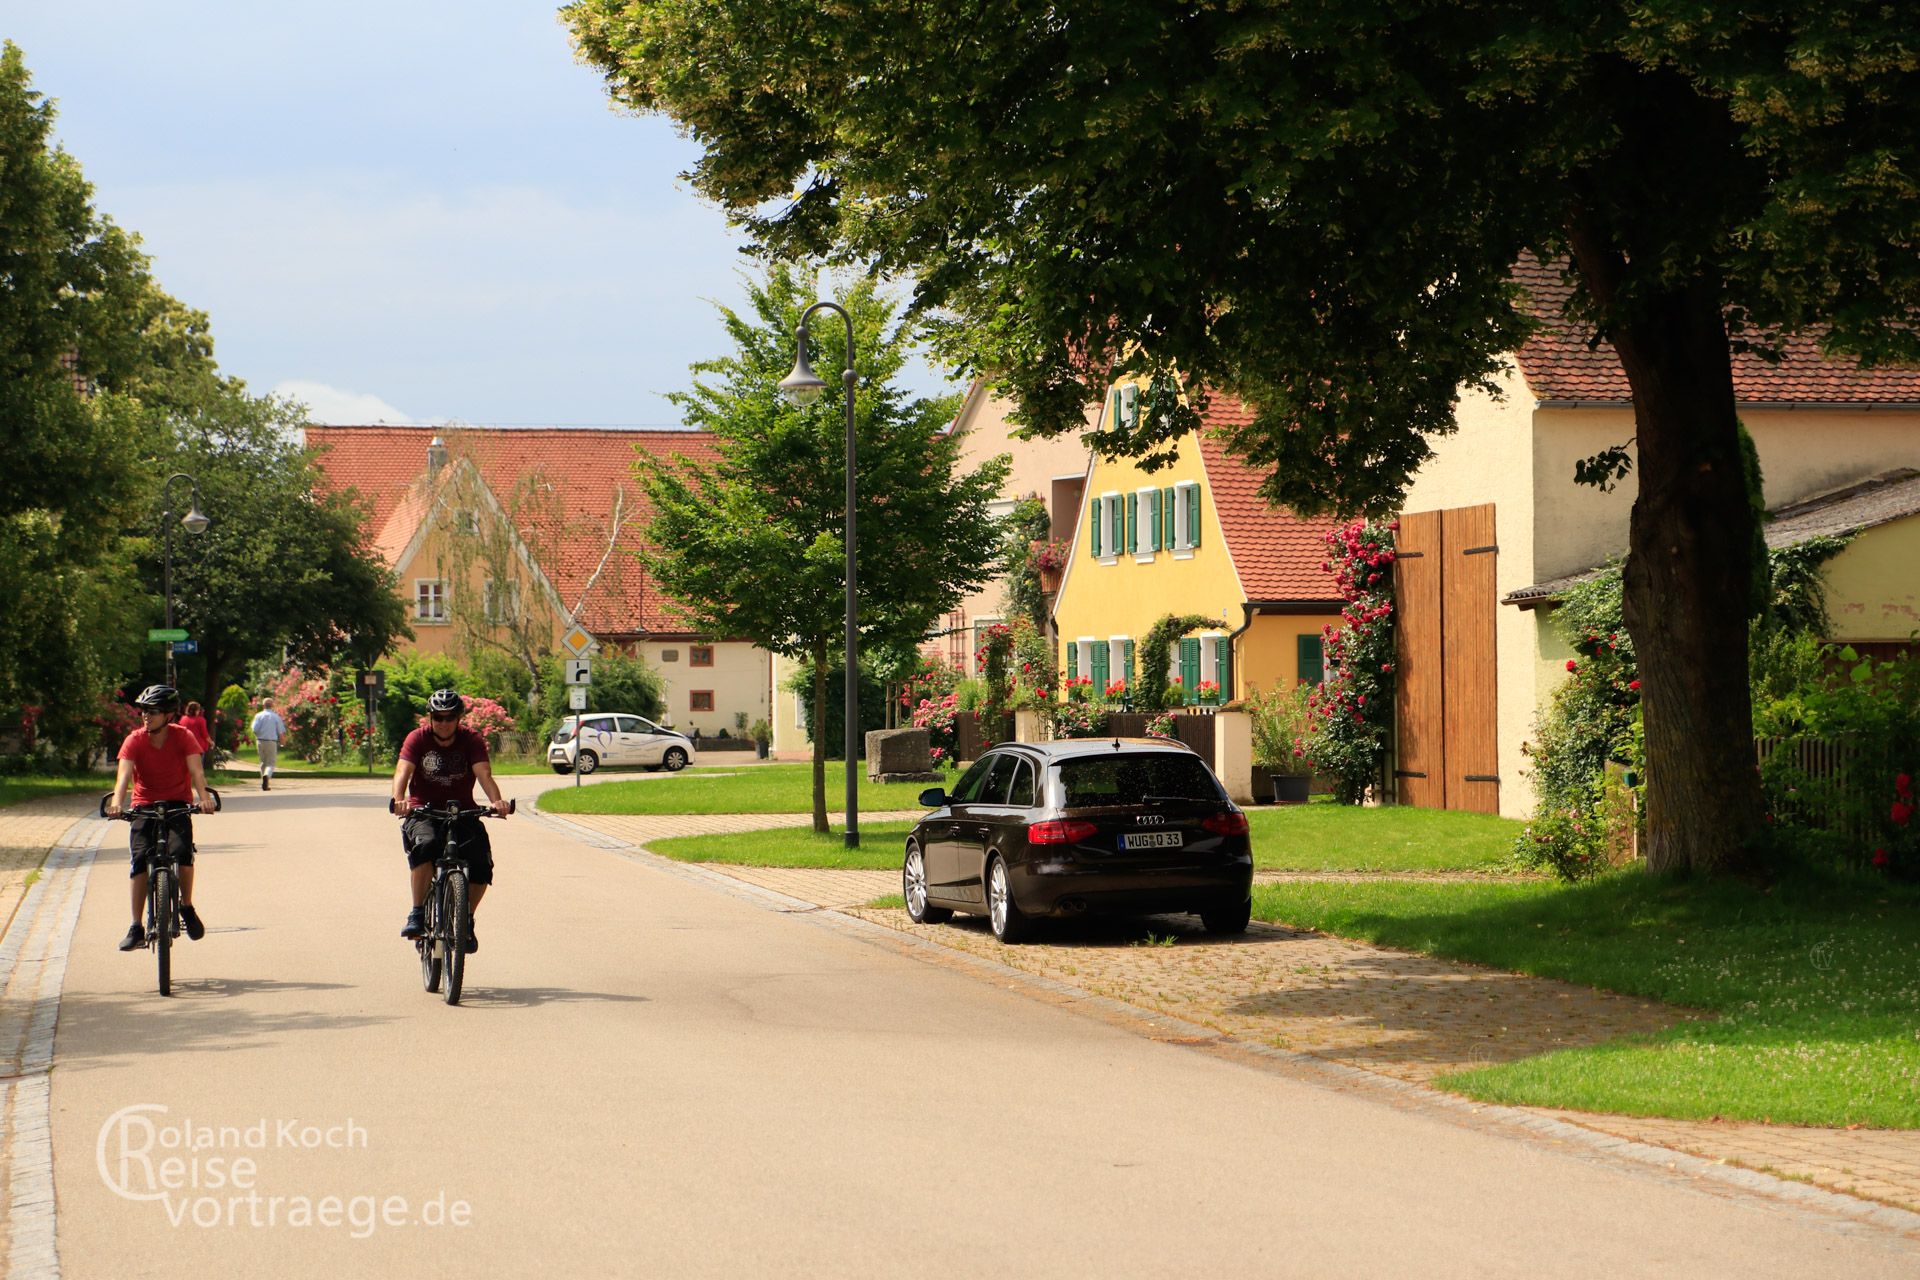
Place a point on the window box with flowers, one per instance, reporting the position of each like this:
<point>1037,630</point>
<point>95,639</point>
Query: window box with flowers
<point>1050,562</point>
<point>1206,693</point>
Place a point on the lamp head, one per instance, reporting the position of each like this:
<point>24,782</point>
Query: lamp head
<point>803,385</point>
<point>195,520</point>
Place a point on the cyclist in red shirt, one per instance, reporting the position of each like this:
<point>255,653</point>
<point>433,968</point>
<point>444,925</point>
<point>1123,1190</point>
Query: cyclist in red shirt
<point>438,765</point>
<point>161,762</point>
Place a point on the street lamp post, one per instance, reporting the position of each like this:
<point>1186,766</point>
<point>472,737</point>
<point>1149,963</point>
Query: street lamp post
<point>196,522</point>
<point>803,386</point>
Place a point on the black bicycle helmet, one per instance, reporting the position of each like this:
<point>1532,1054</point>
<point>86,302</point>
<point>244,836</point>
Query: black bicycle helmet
<point>444,701</point>
<point>158,697</point>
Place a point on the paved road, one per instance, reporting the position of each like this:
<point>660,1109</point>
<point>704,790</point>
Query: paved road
<point>656,1077</point>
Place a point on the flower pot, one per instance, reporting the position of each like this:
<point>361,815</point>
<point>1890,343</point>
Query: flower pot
<point>1050,579</point>
<point>760,749</point>
<point>1291,788</point>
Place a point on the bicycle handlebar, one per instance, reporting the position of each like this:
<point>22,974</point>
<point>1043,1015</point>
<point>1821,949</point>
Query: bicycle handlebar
<point>158,809</point>
<point>448,813</point>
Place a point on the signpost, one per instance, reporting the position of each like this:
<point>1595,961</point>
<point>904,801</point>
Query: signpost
<point>186,646</point>
<point>171,637</point>
<point>578,676</point>
<point>157,634</point>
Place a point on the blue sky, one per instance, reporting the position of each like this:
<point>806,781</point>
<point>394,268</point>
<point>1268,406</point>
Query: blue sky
<point>412,211</point>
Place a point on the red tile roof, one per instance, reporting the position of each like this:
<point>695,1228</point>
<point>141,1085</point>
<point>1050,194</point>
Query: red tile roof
<point>1278,554</point>
<point>1560,364</point>
<point>588,468</point>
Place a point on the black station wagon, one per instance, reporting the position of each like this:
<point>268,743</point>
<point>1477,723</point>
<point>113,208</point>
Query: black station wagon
<point>1122,826</point>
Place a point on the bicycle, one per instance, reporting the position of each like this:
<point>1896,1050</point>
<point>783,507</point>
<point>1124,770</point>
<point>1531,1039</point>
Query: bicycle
<point>163,876</point>
<point>443,946</point>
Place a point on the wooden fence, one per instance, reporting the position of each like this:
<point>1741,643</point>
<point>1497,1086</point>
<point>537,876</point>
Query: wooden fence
<point>1193,726</point>
<point>1834,786</point>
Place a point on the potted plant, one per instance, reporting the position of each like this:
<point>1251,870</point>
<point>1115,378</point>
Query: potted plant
<point>1050,561</point>
<point>1280,719</point>
<point>762,735</point>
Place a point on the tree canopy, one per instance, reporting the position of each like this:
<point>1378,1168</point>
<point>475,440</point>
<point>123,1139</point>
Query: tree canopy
<point>752,544</point>
<point>1317,204</point>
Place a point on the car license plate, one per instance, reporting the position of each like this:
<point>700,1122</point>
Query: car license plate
<point>1152,840</point>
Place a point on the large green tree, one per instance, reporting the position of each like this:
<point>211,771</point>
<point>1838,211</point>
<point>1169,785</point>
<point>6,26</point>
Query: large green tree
<point>283,566</point>
<point>752,543</point>
<point>76,304</point>
<point>1318,203</point>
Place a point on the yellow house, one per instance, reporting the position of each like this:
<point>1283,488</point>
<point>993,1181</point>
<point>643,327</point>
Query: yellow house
<point>1193,538</point>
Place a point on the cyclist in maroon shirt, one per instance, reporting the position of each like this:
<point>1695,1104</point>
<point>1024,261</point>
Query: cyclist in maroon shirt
<point>438,766</point>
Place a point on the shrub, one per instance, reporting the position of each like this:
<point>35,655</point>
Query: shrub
<point>1281,720</point>
<point>1079,712</point>
<point>1152,689</point>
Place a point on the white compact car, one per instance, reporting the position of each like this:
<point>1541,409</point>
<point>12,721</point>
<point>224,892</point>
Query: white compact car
<point>616,740</point>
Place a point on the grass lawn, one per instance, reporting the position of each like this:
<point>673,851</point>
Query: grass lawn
<point>779,788</point>
<point>291,767</point>
<point>31,787</point>
<point>1330,837</point>
<point>1816,984</point>
<point>880,845</point>
<point>1317,837</point>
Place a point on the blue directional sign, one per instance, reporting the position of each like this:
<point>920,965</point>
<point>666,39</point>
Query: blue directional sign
<point>186,646</point>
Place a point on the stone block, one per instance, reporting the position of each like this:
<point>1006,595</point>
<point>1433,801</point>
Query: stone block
<point>898,751</point>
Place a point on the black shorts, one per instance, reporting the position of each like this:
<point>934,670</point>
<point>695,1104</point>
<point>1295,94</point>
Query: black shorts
<point>179,827</point>
<point>422,838</point>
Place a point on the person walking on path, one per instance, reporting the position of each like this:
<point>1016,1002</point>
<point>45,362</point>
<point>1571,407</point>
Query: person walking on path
<point>160,762</point>
<point>268,729</point>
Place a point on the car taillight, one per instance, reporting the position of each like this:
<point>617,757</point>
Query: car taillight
<point>1061,831</point>
<point>1225,824</point>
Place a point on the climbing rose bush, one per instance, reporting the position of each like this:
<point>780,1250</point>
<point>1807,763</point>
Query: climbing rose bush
<point>1352,709</point>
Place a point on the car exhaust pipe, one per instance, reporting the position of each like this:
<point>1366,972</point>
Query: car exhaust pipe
<point>1072,906</point>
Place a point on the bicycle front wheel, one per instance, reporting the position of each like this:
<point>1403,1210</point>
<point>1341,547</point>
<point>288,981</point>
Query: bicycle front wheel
<point>456,934</point>
<point>429,941</point>
<point>164,912</point>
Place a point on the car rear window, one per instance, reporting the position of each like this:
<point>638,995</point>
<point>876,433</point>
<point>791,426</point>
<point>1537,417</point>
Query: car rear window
<point>564,732</point>
<point>1128,779</point>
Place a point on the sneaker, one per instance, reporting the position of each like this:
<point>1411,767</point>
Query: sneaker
<point>135,939</point>
<point>473,941</point>
<point>191,918</point>
<point>416,925</point>
<point>264,781</point>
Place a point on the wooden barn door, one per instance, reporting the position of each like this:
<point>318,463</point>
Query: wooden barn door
<point>1446,709</point>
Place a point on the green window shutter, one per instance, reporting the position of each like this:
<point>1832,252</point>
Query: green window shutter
<point>1127,659</point>
<point>1166,518</point>
<point>1133,522</point>
<point>1310,661</point>
<point>1193,515</point>
<point>1153,520</point>
<point>1223,667</point>
<point>1073,659</point>
<point>1190,664</point>
<point>1100,662</point>
<point>1113,409</point>
<point>1093,520</point>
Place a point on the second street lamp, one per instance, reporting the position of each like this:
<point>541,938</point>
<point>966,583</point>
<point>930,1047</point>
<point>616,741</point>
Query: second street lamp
<point>195,521</point>
<point>803,386</point>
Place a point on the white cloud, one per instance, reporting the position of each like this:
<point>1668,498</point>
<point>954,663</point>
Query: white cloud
<point>331,406</point>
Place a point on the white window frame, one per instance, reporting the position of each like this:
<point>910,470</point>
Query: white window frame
<point>1117,660</point>
<point>1085,644</point>
<point>978,627</point>
<point>1110,535</point>
<point>1001,509</point>
<point>1183,495</point>
<point>438,596</point>
<point>1143,530</point>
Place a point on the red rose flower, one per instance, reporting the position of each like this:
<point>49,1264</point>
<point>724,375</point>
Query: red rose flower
<point>1880,858</point>
<point>1901,813</point>
<point>1903,786</point>
<point>1572,665</point>
<point>1633,684</point>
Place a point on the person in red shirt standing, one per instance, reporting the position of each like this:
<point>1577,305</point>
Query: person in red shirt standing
<point>161,762</point>
<point>438,765</point>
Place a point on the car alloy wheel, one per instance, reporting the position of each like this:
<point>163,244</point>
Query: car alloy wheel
<point>675,760</point>
<point>913,887</point>
<point>588,762</point>
<point>1009,922</point>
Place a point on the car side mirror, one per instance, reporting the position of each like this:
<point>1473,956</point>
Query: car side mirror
<point>933,797</point>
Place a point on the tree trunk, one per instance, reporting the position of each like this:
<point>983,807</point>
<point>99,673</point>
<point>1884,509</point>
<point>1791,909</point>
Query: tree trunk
<point>1688,575</point>
<point>820,740</point>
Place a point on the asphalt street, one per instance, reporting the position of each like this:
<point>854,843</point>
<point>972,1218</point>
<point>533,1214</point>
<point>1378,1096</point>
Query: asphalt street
<point>653,1076</point>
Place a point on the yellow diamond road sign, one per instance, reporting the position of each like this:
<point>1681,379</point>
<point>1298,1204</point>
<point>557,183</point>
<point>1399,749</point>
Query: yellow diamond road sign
<point>577,641</point>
